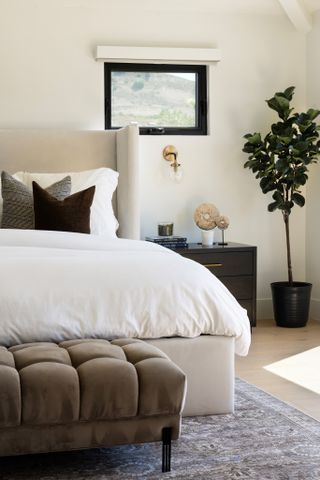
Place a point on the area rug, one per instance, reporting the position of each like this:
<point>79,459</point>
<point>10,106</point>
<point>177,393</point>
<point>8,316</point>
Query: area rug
<point>265,439</point>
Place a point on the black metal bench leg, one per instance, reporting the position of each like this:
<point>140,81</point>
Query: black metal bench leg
<point>166,449</point>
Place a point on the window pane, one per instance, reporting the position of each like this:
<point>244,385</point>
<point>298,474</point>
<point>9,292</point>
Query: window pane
<point>161,99</point>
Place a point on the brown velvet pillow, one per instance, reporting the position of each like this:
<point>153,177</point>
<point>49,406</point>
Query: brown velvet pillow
<point>69,215</point>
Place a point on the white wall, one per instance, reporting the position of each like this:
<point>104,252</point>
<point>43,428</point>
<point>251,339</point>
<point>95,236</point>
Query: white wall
<point>313,190</point>
<point>49,79</point>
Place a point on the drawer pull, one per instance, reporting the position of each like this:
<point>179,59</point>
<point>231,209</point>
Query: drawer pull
<point>213,265</point>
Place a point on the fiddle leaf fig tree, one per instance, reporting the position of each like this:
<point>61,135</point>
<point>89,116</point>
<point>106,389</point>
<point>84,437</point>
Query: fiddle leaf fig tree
<point>281,159</point>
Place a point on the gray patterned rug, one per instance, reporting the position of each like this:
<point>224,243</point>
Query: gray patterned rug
<point>264,440</point>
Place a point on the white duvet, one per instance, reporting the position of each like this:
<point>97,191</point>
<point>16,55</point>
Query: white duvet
<point>57,286</point>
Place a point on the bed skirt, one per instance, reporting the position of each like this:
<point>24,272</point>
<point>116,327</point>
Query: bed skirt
<point>208,362</point>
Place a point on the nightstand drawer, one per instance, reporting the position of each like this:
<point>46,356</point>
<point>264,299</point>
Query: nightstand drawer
<point>226,263</point>
<point>240,287</point>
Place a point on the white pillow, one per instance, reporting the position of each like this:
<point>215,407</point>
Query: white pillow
<point>102,219</point>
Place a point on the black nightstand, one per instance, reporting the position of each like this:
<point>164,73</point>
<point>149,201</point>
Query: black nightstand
<point>235,265</point>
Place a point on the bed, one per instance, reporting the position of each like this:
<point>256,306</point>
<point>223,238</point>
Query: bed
<point>192,317</point>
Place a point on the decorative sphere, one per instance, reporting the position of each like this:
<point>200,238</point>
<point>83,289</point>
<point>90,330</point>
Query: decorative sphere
<point>222,222</point>
<point>205,216</point>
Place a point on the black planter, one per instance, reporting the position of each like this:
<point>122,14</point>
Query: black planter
<point>291,303</point>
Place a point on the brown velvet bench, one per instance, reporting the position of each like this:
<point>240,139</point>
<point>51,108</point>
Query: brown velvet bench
<point>87,394</point>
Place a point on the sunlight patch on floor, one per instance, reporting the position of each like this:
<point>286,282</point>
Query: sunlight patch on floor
<point>301,369</point>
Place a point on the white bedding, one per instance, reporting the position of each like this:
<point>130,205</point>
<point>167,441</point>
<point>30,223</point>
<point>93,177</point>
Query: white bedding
<point>57,285</point>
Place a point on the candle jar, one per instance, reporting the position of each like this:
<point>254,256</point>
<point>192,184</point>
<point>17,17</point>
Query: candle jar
<point>165,229</point>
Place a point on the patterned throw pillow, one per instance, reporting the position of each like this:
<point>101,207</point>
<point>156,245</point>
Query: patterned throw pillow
<point>18,200</point>
<point>69,215</point>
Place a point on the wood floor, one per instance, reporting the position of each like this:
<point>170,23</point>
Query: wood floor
<point>293,353</point>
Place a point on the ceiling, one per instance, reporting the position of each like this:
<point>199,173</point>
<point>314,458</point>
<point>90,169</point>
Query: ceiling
<point>253,6</point>
<point>225,6</point>
<point>233,6</point>
<point>299,12</point>
<point>312,5</point>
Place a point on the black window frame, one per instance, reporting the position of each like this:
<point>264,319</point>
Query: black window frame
<point>201,127</point>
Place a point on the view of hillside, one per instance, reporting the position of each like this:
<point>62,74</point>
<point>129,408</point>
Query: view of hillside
<point>153,99</point>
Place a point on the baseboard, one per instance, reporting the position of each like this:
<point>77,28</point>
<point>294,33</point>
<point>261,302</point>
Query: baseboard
<point>264,308</point>
<point>315,309</point>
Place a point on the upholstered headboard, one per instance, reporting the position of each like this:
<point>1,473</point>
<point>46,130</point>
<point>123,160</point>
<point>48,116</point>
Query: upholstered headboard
<point>67,150</point>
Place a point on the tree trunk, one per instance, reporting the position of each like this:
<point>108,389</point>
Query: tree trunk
<point>286,223</point>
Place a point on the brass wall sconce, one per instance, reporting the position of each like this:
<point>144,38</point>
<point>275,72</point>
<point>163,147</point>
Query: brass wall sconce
<point>170,154</point>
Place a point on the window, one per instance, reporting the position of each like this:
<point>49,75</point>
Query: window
<point>162,99</point>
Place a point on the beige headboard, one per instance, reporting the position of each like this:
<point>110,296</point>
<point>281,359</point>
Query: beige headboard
<point>67,150</point>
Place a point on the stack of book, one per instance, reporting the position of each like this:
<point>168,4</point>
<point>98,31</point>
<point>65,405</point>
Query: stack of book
<point>172,241</point>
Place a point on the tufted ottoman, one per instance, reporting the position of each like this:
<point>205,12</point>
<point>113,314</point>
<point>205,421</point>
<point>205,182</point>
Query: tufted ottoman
<point>88,393</point>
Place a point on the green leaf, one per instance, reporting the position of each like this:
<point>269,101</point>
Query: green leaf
<point>267,184</point>
<point>288,93</point>
<point>280,104</point>
<point>301,147</point>
<point>278,197</point>
<point>254,139</point>
<point>248,148</point>
<point>313,113</point>
<point>285,140</point>
<point>272,103</point>
<point>283,102</point>
<point>283,166</point>
<point>298,199</point>
<point>272,206</point>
